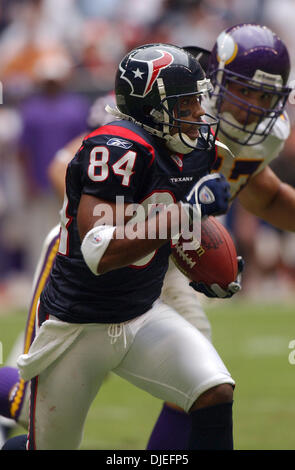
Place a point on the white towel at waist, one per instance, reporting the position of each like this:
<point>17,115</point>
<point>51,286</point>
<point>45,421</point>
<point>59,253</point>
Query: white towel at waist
<point>54,337</point>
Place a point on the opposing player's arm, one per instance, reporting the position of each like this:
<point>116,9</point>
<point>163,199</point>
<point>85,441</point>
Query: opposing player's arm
<point>267,197</point>
<point>106,247</point>
<point>58,167</point>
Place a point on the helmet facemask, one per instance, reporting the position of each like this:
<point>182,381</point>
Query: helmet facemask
<point>258,121</point>
<point>170,117</point>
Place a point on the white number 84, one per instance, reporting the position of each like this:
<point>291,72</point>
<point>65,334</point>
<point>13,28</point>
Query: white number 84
<point>98,169</point>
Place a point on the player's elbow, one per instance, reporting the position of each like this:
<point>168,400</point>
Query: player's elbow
<point>94,247</point>
<point>105,265</point>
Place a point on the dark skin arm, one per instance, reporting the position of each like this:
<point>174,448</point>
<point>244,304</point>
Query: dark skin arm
<point>123,251</point>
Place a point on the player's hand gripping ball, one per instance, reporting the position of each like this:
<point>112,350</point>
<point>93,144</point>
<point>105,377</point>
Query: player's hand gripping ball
<point>214,267</point>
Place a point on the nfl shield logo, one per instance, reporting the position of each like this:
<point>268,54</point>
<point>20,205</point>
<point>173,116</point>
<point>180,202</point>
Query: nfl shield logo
<point>206,196</point>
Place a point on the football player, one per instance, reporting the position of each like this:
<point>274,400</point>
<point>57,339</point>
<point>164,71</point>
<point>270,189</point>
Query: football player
<point>245,50</point>
<point>14,393</point>
<point>249,67</point>
<point>100,308</point>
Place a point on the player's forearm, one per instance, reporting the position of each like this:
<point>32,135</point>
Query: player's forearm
<point>112,238</point>
<point>56,175</point>
<point>58,166</point>
<point>280,210</point>
<point>135,241</point>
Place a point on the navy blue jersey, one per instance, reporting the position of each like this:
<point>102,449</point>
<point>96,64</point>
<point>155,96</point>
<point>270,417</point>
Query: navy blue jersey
<point>118,159</point>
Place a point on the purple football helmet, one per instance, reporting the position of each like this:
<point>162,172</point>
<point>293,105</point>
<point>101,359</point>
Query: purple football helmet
<point>254,57</point>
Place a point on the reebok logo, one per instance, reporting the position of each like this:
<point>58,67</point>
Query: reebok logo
<point>119,143</point>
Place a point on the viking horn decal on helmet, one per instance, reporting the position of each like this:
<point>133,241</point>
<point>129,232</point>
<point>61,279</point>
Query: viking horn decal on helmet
<point>143,75</point>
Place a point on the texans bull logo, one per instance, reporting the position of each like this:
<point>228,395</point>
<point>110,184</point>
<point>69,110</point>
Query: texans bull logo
<point>142,74</point>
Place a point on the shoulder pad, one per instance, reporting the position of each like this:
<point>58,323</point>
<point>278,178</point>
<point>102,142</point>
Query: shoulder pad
<point>281,128</point>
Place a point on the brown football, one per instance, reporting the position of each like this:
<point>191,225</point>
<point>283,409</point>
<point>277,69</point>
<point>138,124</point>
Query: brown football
<point>214,261</point>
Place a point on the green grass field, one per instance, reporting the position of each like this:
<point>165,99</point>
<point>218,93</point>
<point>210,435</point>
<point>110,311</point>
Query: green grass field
<point>253,340</point>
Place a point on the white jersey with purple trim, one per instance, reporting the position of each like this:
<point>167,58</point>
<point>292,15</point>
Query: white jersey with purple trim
<point>252,159</point>
<point>237,167</point>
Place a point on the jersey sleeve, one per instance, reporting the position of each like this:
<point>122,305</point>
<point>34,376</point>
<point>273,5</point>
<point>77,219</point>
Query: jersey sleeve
<point>111,168</point>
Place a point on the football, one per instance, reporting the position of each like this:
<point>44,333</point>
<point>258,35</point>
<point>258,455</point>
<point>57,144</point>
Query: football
<point>214,261</point>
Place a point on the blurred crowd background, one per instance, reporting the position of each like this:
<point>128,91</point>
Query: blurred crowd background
<point>56,58</point>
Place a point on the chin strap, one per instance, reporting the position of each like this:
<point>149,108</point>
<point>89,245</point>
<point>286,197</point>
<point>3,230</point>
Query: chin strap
<point>173,142</point>
<point>224,147</point>
<point>119,115</point>
<point>177,143</point>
